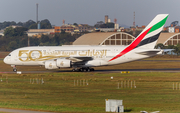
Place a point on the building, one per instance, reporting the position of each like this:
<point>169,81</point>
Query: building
<point>72,28</point>
<point>85,28</point>
<point>39,32</point>
<point>66,28</point>
<point>106,19</point>
<point>169,39</point>
<point>2,32</point>
<point>105,38</point>
<point>105,29</point>
<point>122,38</point>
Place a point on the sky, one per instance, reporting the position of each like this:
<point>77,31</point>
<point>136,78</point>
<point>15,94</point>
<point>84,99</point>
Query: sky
<point>89,11</point>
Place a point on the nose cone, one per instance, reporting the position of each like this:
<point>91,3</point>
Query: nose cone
<point>6,61</point>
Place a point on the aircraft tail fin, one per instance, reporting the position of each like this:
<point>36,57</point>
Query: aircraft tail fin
<point>149,36</point>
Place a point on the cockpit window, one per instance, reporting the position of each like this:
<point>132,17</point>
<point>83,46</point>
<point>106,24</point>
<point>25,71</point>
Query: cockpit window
<point>9,55</point>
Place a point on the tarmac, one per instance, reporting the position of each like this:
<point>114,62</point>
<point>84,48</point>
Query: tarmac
<point>21,111</point>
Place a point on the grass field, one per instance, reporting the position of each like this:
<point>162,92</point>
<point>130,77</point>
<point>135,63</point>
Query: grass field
<point>61,92</point>
<point>68,91</point>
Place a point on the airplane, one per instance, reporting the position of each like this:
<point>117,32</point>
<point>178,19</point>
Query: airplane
<point>84,58</point>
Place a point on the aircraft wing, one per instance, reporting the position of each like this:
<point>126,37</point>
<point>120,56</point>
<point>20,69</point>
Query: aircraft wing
<point>155,51</point>
<point>80,59</point>
<point>75,60</point>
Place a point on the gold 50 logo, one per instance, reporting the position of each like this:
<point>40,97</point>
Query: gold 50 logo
<point>30,55</point>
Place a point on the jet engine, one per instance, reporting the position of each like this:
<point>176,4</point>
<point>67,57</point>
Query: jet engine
<point>51,65</point>
<point>63,63</point>
<point>59,63</point>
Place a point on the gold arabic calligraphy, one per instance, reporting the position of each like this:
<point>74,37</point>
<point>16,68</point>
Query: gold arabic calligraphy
<point>77,53</point>
<point>46,55</point>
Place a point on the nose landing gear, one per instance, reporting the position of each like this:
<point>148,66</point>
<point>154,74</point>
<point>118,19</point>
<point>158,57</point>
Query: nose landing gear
<point>14,68</point>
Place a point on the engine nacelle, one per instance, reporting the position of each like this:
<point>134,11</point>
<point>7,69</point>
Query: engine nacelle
<point>63,63</point>
<point>51,65</point>
<point>55,64</point>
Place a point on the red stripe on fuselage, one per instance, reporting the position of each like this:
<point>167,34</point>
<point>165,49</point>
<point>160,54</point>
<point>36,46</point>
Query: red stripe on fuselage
<point>132,46</point>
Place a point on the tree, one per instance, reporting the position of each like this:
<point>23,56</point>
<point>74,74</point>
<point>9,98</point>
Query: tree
<point>28,23</point>
<point>109,25</point>
<point>176,49</point>
<point>18,31</point>
<point>75,24</point>
<point>63,31</point>
<point>9,31</point>
<point>55,40</point>
<point>45,24</point>
<point>170,46</point>
<point>23,41</point>
<point>20,24</point>
<point>34,41</point>
<point>12,45</point>
<point>6,24</point>
<point>33,26</point>
<point>160,45</point>
<point>44,38</point>
<point>101,24</point>
<point>98,24</point>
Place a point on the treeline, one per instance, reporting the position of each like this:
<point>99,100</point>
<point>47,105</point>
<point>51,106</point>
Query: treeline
<point>176,48</point>
<point>101,24</point>
<point>44,24</point>
<point>16,37</point>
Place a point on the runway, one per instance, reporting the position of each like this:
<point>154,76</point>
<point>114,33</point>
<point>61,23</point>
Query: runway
<point>149,69</point>
<point>21,111</point>
<point>142,70</point>
<point>99,70</point>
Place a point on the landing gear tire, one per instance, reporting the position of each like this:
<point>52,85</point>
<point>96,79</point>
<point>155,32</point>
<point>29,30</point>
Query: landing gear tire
<point>88,70</point>
<point>73,70</point>
<point>15,70</point>
<point>83,70</point>
<point>92,69</point>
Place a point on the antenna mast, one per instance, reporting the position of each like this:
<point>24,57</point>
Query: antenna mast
<point>37,13</point>
<point>134,25</point>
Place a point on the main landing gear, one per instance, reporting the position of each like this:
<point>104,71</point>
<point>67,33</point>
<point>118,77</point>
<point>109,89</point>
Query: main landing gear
<point>83,69</point>
<point>14,68</point>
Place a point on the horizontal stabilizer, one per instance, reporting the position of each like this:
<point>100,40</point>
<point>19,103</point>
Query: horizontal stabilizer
<point>168,50</point>
<point>149,52</point>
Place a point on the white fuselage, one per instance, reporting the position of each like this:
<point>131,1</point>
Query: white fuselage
<point>100,55</point>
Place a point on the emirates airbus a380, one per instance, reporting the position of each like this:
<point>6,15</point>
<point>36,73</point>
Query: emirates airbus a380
<point>83,58</point>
